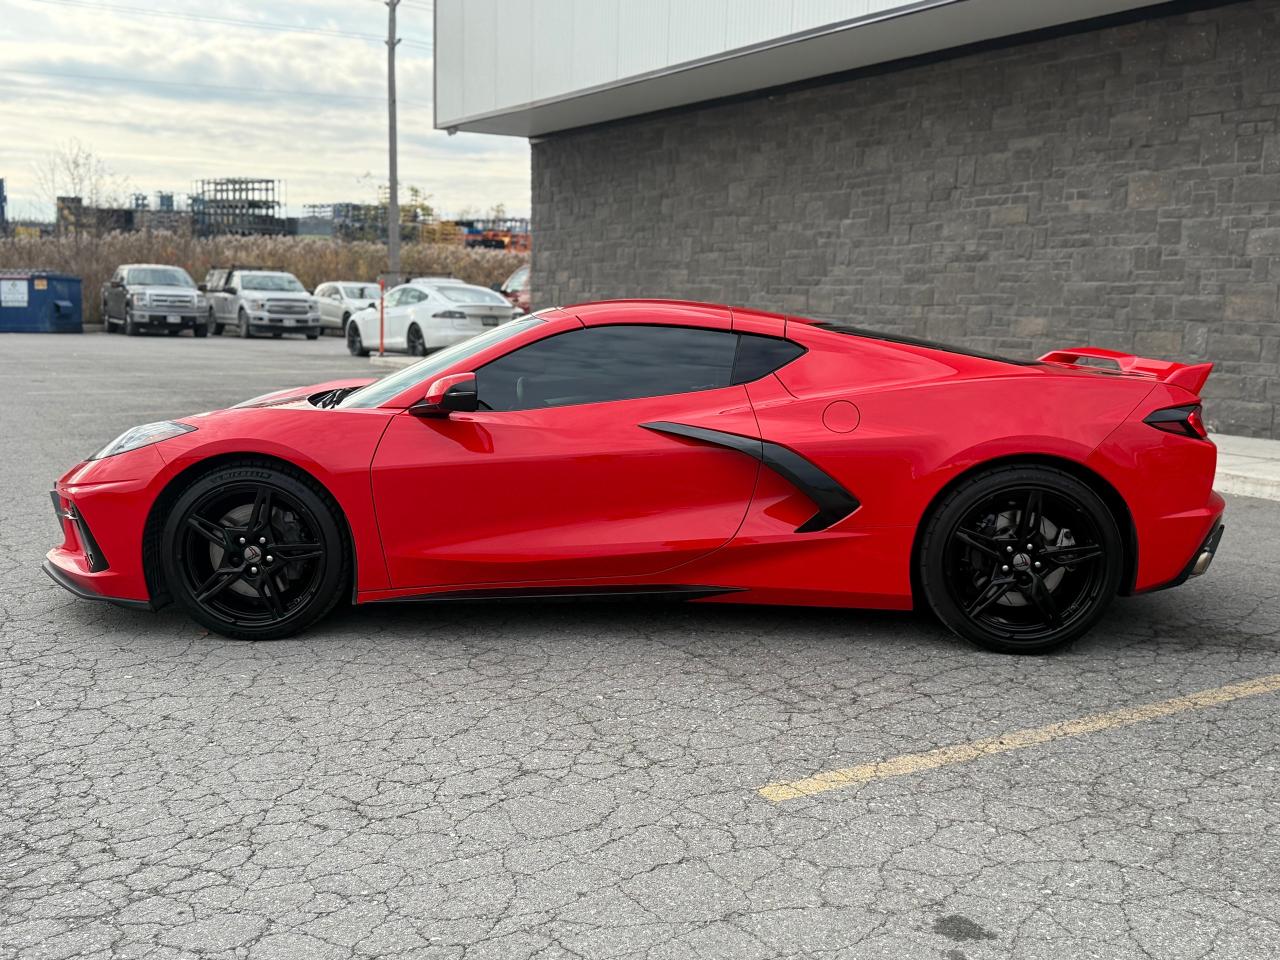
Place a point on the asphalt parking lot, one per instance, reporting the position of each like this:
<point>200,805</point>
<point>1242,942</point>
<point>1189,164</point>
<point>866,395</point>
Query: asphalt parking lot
<point>584,780</point>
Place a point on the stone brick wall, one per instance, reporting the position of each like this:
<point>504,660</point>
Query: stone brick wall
<point>1119,187</point>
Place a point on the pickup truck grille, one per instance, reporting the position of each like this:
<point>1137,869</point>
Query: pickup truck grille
<point>288,308</point>
<point>171,300</point>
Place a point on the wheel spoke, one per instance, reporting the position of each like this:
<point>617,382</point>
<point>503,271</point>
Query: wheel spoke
<point>995,589</point>
<point>1029,521</point>
<point>221,578</point>
<point>214,533</point>
<point>1039,594</point>
<point>293,552</point>
<point>261,514</point>
<point>1072,556</point>
<point>979,542</point>
<point>267,591</point>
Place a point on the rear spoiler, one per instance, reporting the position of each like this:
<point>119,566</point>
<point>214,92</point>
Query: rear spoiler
<point>1190,377</point>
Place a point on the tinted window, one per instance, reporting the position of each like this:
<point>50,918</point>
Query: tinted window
<point>759,356</point>
<point>608,363</point>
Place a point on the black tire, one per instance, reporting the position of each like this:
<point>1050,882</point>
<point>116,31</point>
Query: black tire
<point>200,330</point>
<point>173,333</point>
<point>314,335</point>
<point>417,345</point>
<point>224,542</point>
<point>1020,559</point>
<point>213,323</point>
<point>244,329</point>
<point>346,318</point>
<point>276,336</point>
<point>355,346</point>
<point>130,328</point>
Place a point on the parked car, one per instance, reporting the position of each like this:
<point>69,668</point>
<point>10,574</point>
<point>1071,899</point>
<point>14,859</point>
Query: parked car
<point>692,451</point>
<point>339,299</point>
<point>516,288</point>
<point>253,300</point>
<point>143,297</point>
<point>425,315</point>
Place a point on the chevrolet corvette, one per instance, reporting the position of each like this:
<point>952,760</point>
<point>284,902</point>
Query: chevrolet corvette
<point>693,451</point>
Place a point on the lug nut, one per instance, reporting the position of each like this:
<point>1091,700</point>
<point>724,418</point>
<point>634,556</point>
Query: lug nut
<point>242,539</point>
<point>1029,546</point>
<point>1006,549</point>
<point>271,558</point>
<point>1037,563</point>
<point>1004,569</point>
<point>253,569</point>
<point>262,539</point>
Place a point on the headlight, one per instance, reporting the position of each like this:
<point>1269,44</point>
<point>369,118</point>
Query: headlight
<point>201,301</point>
<point>257,304</point>
<point>142,436</point>
<point>138,299</point>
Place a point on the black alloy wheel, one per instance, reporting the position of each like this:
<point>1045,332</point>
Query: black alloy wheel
<point>1021,559</point>
<point>417,345</point>
<point>355,346</point>
<point>255,552</point>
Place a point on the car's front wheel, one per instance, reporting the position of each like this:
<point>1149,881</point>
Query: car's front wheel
<point>244,329</point>
<point>1021,559</point>
<point>255,551</point>
<point>417,345</point>
<point>355,345</point>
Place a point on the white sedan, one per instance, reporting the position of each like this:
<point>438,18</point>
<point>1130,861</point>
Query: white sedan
<point>425,315</point>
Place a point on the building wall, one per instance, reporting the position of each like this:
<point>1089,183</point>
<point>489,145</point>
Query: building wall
<point>1119,187</point>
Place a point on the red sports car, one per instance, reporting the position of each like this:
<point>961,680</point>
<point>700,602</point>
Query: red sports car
<point>653,447</point>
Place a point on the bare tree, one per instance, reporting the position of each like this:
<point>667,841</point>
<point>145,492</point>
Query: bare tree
<point>71,169</point>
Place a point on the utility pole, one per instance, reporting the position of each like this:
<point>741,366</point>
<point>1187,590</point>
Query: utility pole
<point>393,205</point>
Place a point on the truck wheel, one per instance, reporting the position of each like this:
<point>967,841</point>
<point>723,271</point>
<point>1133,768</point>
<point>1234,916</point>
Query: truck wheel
<point>200,329</point>
<point>245,332</point>
<point>130,328</point>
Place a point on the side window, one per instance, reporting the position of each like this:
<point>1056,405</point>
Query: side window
<point>322,290</point>
<point>600,364</point>
<point>759,356</point>
<point>413,295</point>
<point>393,298</point>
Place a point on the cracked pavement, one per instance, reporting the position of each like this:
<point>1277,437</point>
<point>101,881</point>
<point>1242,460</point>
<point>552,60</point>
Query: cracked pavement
<point>579,780</point>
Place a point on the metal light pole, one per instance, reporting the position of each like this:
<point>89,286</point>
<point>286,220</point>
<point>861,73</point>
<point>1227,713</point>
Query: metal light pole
<point>393,205</point>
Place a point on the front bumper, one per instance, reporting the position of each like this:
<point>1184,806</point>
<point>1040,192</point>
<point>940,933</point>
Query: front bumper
<point>284,324</point>
<point>80,565</point>
<point>153,319</point>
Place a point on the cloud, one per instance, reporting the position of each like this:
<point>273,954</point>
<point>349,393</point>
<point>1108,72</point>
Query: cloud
<point>166,101</point>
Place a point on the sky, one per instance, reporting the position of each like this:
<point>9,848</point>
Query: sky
<point>163,95</point>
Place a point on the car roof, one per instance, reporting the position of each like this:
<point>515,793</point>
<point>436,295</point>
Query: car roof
<point>160,266</point>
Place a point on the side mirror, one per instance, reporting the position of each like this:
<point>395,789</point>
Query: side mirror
<point>497,287</point>
<point>452,394</point>
<point>202,288</point>
<point>230,290</point>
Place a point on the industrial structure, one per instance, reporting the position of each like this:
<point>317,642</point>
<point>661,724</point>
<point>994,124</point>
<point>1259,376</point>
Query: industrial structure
<point>243,206</point>
<point>1008,174</point>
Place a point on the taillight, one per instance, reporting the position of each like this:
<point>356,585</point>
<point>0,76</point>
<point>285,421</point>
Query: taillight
<point>1184,421</point>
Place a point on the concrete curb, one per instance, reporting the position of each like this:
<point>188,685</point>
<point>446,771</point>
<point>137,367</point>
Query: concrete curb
<point>391,361</point>
<point>1248,466</point>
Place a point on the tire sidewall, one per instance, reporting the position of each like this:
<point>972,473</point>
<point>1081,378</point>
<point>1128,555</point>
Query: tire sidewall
<point>333,581</point>
<point>951,511</point>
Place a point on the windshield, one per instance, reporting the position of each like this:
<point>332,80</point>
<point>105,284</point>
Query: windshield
<point>380,391</point>
<point>464,293</point>
<point>271,281</point>
<point>160,277</point>
<point>360,291</point>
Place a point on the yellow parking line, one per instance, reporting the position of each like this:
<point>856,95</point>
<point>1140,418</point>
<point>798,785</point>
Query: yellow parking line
<point>1018,740</point>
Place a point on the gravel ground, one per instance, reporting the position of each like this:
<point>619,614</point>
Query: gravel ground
<point>580,780</point>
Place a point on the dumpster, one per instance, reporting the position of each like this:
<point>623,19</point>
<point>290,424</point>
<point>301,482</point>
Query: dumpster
<point>40,301</point>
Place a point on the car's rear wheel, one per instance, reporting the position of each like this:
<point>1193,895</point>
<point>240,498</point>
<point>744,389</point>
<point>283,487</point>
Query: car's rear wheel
<point>355,345</point>
<point>255,551</point>
<point>417,345</point>
<point>1021,559</point>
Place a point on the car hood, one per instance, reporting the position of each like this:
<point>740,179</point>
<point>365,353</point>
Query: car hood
<point>160,288</point>
<point>293,394</point>
<point>276,294</point>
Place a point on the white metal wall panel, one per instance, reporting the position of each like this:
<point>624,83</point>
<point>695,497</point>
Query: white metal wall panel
<point>552,39</point>
<point>812,14</point>
<point>481,45</point>
<point>450,72</point>
<point>643,29</point>
<point>514,61</point>
<point>755,21</point>
<point>594,59</point>
<point>698,30</point>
